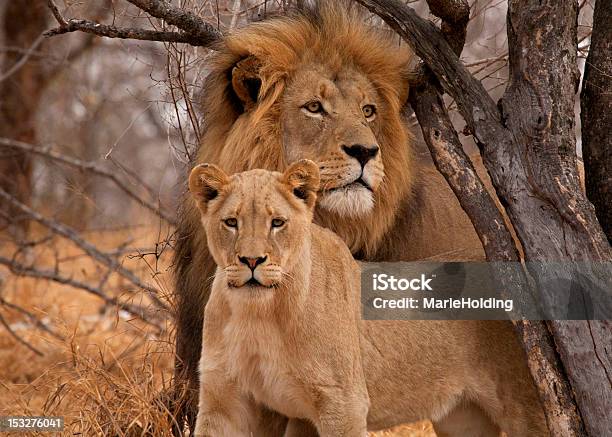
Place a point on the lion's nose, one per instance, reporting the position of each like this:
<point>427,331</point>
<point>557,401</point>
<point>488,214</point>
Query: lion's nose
<point>252,262</point>
<point>361,153</point>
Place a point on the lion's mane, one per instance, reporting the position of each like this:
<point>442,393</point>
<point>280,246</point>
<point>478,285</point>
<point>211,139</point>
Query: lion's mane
<point>334,36</point>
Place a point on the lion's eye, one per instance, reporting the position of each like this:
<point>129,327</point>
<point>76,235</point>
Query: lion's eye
<point>277,223</point>
<point>231,222</point>
<point>314,107</point>
<point>369,111</point>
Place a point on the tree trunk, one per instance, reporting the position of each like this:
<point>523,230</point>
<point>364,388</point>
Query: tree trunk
<point>450,159</point>
<point>596,105</point>
<point>453,163</point>
<point>529,151</point>
<point>24,22</point>
<point>553,218</point>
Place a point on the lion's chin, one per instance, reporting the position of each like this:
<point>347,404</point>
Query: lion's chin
<point>351,201</point>
<point>251,292</point>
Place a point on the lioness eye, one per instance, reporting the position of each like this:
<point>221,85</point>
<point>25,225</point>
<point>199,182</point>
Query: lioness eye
<point>314,107</point>
<point>369,111</point>
<point>231,222</point>
<point>277,223</point>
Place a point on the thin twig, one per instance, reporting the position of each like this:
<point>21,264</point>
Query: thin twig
<point>56,13</point>
<point>23,59</point>
<point>18,338</point>
<point>174,97</point>
<point>487,61</point>
<point>47,152</point>
<point>33,319</point>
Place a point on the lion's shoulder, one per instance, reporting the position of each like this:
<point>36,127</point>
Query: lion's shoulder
<point>431,224</point>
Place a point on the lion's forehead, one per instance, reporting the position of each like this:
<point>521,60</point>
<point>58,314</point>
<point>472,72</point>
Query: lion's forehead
<point>333,82</point>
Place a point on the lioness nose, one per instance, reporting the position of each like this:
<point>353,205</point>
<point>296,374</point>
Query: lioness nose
<point>252,262</point>
<point>361,153</point>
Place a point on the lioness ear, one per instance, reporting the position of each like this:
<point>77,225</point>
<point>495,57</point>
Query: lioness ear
<point>205,183</point>
<point>246,81</point>
<point>303,180</point>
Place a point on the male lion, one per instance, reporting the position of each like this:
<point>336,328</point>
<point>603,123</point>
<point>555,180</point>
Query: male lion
<point>283,328</point>
<point>321,85</point>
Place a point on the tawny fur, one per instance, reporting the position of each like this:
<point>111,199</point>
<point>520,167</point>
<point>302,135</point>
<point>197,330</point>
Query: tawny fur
<point>298,344</point>
<point>413,214</point>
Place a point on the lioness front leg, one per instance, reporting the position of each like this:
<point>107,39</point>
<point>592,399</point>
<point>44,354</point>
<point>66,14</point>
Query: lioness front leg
<point>223,410</point>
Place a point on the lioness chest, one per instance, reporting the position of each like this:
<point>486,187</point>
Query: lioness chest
<point>258,357</point>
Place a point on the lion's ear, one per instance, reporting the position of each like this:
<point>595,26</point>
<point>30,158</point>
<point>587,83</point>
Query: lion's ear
<point>205,183</point>
<point>246,81</point>
<point>303,180</point>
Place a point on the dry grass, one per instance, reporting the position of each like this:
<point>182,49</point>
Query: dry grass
<point>106,373</point>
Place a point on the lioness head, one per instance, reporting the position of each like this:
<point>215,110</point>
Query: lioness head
<point>321,86</point>
<point>255,221</point>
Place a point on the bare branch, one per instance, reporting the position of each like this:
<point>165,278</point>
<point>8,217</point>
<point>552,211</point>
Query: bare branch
<point>475,104</point>
<point>455,16</point>
<point>33,319</point>
<point>23,59</point>
<point>22,270</point>
<point>47,152</point>
<point>18,338</point>
<point>185,20</point>
<point>87,247</point>
<point>109,31</point>
<point>487,61</point>
<point>196,31</point>
<point>447,151</point>
<point>451,160</point>
<point>56,13</point>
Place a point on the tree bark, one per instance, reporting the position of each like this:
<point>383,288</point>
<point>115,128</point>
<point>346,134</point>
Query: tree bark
<point>450,159</point>
<point>446,150</point>
<point>453,163</point>
<point>24,22</point>
<point>529,150</point>
<point>596,115</point>
<point>554,220</point>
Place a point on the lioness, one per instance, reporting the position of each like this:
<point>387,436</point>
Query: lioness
<point>282,328</point>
